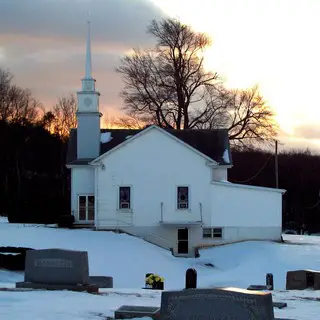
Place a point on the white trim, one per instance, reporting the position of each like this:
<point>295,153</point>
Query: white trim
<point>119,210</point>
<point>96,220</point>
<point>70,166</point>
<point>212,232</point>
<point>87,211</point>
<point>189,198</point>
<point>211,161</point>
<point>244,186</point>
<point>221,166</point>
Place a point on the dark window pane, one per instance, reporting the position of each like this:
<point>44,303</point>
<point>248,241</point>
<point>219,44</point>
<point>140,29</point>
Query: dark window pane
<point>124,198</point>
<point>82,207</point>
<point>82,200</point>
<point>90,207</point>
<point>90,201</point>
<point>207,233</point>
<point>183,234</point>
<point>217,233</point>
<point>91,213</point>
<point>183,197</point>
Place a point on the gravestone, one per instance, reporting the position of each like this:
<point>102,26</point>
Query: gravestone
<point>269,281</point>
<point>101,281</point>
<point>216,304</point>
<point>130,312</point>
<point>57,269</point>
<point>257,287</point>
<point>191,279</point>
<point>303,279</point>
<point>57,266</point>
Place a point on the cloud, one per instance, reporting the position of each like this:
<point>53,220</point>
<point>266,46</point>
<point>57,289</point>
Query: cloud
<point>113,21</point>
<point>43,43</point>
<point>303,137</point>
<point>308,131</point>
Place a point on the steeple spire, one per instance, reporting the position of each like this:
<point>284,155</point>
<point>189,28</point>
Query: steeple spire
<point>88,54</point>
<point>88,83</point>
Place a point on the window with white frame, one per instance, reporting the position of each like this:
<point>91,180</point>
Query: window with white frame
<point>86,207</point>
<point>182,198</point>
<point>124,198</point>
<point>212,233</point>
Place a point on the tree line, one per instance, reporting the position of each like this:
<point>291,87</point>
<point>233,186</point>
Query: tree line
<point>167,85</point>
<point>35,184</point>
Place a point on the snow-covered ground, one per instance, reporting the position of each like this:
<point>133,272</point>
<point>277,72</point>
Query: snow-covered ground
<point>128,259</point>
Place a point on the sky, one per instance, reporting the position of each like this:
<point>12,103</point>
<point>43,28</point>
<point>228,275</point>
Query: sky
<point>272,43</point>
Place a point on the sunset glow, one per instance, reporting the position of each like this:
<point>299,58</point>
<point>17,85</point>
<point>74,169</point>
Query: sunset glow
<point>272,43</point>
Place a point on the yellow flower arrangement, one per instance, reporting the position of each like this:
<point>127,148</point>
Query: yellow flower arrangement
<point>154,278</point>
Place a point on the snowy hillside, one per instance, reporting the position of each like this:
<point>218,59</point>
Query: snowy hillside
<point>128,259</point>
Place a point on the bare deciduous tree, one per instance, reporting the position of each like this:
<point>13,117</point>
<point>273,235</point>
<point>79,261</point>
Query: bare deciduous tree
<point>243,112</point>
<point>16,104</point>
<point>164,84</point>
<point>64,113</point>
<point>168,86</point>
<point>249,118</point>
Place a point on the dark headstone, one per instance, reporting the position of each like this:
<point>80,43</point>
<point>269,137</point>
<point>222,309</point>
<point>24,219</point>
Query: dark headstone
<point>130,312</point>
<point>316,284</point>
<point>303,279</point>
<point>279,305</point>
<point>101,281</point>
<point>269,281</point>
<point>191,279</point>
<point>217,304</point>
<point>91,288</point>
<point>257,287</point>
<point>57,266</point>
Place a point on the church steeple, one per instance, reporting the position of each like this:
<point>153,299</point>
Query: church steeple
<point>88,54</point>
<point>88,115</point>
<point>88,83</point>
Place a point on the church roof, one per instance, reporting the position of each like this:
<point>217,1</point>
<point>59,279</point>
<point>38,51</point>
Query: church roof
<point>213,143</point>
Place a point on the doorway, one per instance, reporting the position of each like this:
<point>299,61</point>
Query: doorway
<point>183,241</point>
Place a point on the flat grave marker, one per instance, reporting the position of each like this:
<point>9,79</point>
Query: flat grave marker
<point>216,304</point>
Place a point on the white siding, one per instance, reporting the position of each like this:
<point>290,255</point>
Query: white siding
<point>246,213</point>
<point>244,207</point>
<point>220,174</point>
<point>154,165</point>
<point>82,182</point>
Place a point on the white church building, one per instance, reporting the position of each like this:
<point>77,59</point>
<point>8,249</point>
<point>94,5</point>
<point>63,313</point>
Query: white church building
<point>169,187</point>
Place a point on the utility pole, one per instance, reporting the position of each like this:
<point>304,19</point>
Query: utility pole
<point>276,164</point>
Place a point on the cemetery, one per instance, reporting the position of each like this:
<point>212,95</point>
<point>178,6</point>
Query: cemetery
<point>115,276</point>
<point>58,269</point>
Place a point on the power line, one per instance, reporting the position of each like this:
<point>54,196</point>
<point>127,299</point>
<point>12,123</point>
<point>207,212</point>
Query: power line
<point>255,175</point>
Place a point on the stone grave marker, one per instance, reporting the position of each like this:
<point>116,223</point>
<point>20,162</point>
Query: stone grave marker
<point>216,304</point>
<point>303,279</point>
<point>57,269</point>
<point>130,312</point>
<point>57,266</point>
<point>269,281</point>
<point>191,279</point>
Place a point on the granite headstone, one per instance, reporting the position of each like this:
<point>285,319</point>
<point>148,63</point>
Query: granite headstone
<point>191,279</point>
<point>303,279</point>
<point>216,304</point>
<point>269,281</point>
<point>133,312</point>
<point>57,266</point>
